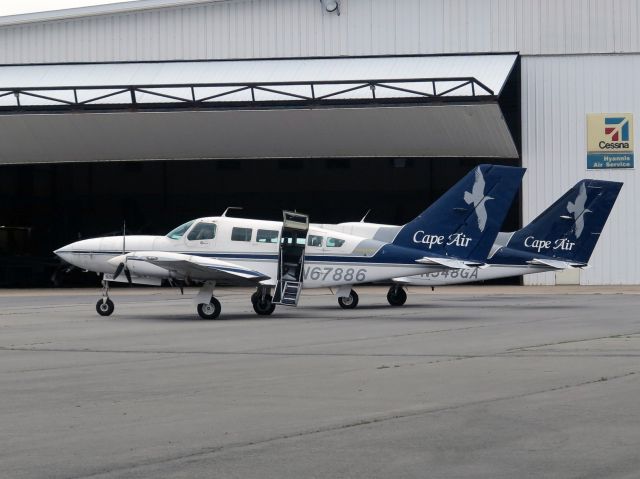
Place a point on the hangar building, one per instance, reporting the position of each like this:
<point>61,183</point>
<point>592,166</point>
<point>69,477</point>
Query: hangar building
<point>156,111</point>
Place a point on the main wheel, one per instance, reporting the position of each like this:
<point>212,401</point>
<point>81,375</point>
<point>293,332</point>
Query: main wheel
<point>254,297</point>
<point>396,296</point>
<point>105,308</point>
<point>264,306</point>
<point>349,302</point>
<point>210,310</point>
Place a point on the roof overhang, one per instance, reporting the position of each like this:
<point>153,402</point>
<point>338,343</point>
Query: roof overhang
<point>95,10</point>
<point>439,106</point>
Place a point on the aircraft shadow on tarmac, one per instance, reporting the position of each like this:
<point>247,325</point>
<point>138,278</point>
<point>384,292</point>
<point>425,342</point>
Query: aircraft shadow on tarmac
<point>385,312</point>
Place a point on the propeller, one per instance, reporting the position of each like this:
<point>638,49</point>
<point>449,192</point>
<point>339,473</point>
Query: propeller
<point>123,265</point>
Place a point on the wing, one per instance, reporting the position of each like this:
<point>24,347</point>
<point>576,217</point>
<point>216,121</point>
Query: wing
<point>197,268</point>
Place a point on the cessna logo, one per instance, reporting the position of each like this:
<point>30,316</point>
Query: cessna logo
<point>478,199</point>
<point>562,244</point>
<point>617,131</point>
<point>578,210</point>
<point>455,239</point>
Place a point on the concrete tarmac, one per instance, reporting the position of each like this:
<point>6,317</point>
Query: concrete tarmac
<point>463,382</point>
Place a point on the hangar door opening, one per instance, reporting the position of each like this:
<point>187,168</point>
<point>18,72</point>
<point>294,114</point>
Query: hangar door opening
<point>46,206</point>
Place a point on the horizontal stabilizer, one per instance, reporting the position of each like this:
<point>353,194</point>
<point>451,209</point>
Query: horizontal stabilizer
<point>448,263</point>
<point>555,264</point>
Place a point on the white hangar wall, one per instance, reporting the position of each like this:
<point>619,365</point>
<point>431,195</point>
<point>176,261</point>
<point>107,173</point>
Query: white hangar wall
<point>286,28</point>
<point>557,94</point>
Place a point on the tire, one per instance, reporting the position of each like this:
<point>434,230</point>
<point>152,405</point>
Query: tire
<point>396,296</point>
<point>264,306</point>
<point>105,308</point>
<point>254,297</point>
<point>350,302</point>
<point>210,310</point>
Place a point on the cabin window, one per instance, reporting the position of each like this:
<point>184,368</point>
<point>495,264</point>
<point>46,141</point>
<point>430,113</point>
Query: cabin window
<point>334,242</point>
<point>267,236</point>
<point>315,240</point>
<point>202,231</point>
<point>179,231</point>
<point>241,234</point>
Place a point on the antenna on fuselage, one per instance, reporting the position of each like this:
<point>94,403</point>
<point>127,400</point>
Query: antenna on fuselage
<point>231,208</point>
<point>365,215</point>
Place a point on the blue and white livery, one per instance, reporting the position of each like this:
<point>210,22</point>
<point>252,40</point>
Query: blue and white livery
<point>562,237</point>
<point>281,258</point>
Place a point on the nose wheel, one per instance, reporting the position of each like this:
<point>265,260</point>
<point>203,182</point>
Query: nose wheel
<point>105,306</point>
<point>210,310</point>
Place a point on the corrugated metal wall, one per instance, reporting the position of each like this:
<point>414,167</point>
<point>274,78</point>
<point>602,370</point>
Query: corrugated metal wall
<point>557,93</point>
<point>286,28</point>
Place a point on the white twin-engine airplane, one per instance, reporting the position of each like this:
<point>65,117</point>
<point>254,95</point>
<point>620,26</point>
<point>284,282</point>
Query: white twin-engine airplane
<point>456,232</point>
<point>561,237</point>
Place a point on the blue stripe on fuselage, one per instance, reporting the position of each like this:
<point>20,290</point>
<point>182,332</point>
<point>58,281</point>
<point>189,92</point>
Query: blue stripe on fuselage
<point>388,254</point>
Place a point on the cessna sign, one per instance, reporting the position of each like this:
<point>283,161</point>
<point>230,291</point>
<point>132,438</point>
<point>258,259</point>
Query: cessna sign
<point>609,140</point>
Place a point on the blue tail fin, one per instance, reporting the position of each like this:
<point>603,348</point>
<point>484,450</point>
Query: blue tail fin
<point>570,228</point>
<point>464,222</point>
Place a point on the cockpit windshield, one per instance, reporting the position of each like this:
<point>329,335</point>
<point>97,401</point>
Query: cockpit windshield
<point>180,231</point>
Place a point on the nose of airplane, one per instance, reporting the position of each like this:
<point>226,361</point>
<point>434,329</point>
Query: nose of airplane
<point>64,252</point>
<point>77,253</point>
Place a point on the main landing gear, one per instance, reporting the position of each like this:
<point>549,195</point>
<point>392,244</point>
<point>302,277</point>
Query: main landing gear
<point>210,310</point>
<point>349,301</point>
<point>208,306</point>
<point>262,302</point>
<point>105,306</point>
<point>396,296</point>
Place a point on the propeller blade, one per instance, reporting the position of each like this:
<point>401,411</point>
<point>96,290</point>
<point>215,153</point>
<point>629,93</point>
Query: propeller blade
<point>128,275</point>
<point>118,270</point>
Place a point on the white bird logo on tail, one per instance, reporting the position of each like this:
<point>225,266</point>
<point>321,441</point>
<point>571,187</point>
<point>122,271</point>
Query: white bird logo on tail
<point>578,210</point>
<point>478,199</point>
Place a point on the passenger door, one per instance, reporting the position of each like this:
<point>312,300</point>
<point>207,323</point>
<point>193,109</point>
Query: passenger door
<point>293,240</point>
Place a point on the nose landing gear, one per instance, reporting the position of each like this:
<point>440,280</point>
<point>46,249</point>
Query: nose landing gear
<point>105,306</point>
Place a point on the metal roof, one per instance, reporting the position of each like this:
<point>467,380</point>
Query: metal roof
<point>211,83</point>
<point>491,70</point>
<point>93,10</point>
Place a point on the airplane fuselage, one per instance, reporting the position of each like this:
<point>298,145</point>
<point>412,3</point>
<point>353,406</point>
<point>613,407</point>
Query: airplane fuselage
<point>331,258</point>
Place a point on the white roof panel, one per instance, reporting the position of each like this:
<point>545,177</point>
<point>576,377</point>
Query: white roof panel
<point>491,70</point>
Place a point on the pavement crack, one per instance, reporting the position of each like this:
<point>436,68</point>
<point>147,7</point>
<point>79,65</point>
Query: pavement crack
<point>570,341</point>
